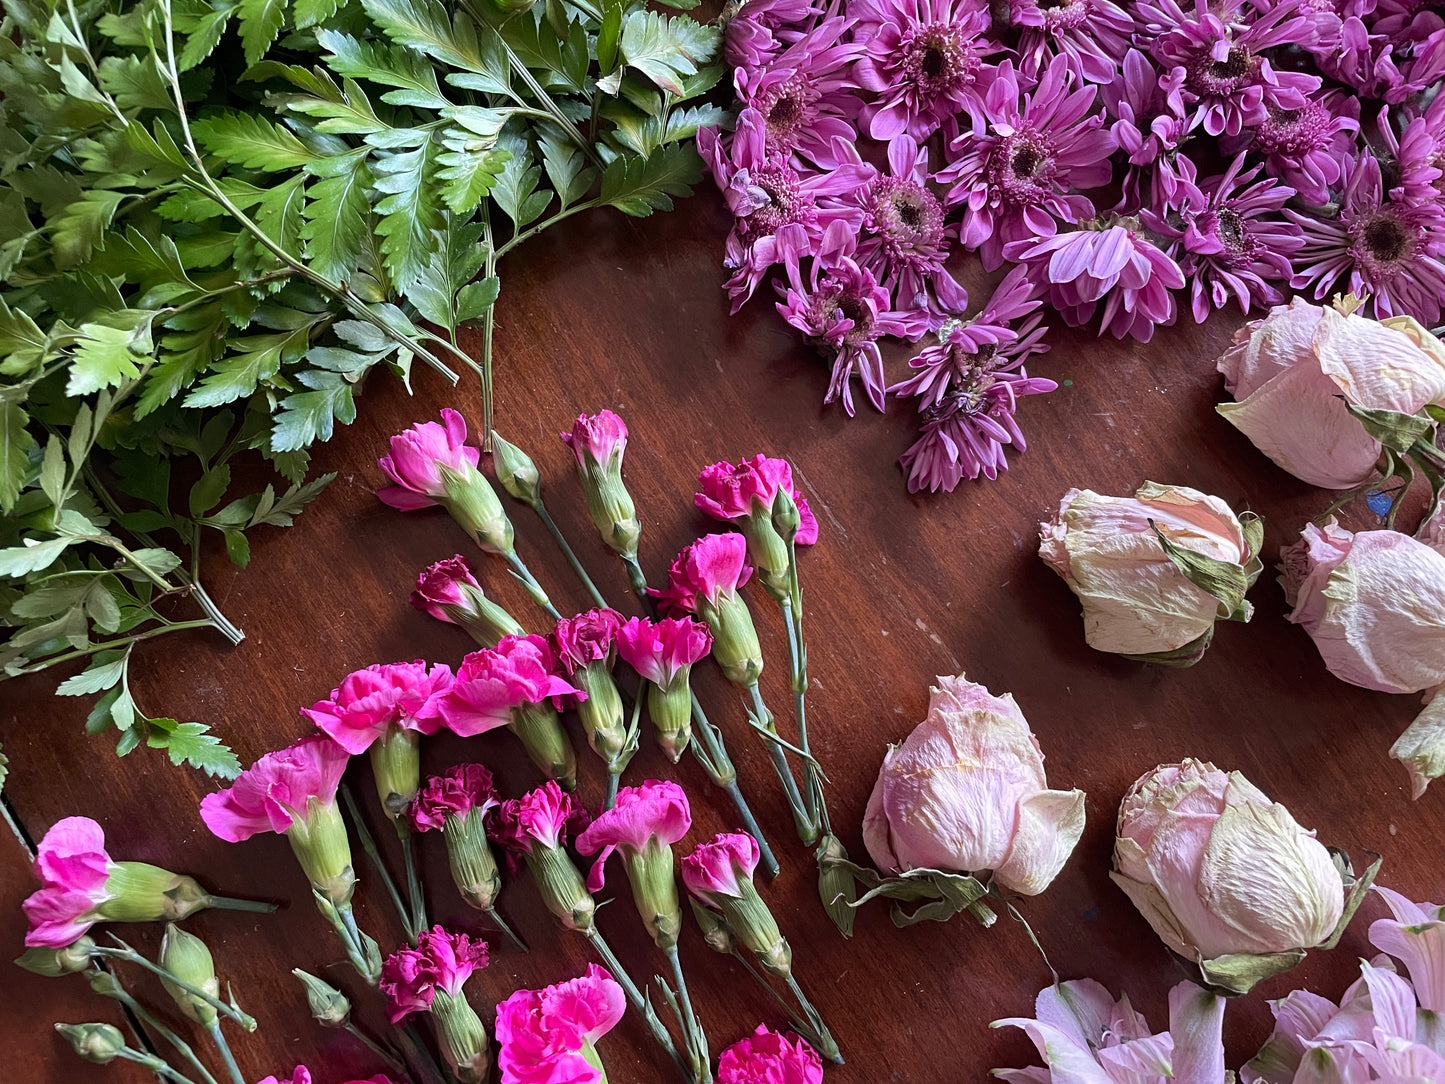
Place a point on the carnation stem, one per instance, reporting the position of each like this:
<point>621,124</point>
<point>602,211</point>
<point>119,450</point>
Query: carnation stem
<point>413,879</point>
<point>822,1037</point>
<point>529,581</point>
<point>763,721</point>
<point>614,781</point>
<point>228,903</point>
<point>227,1058</point>
<point>569,553</point>
<point>116,992</point>
<point>497,920</point>
<point>156,1065</point>
<point>368,845</point>
<point>694,1036</point>
<point>356,946</point>
<point>798,667</point>
<point>131,956</point>
<point>421,1060</point>
<point>720,768</point>
<point>635,998</point>
<point>393,1063</point>
<point>638,579</point>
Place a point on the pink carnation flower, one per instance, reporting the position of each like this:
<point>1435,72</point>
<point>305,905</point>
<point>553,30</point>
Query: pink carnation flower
<point>714,867</point>
<point>661,651</point>
<point>540,818</point>
<point>369,702</point>
<point>601,435</point>
<point>547,1036</point>
<point>273,793</point>
<point>73,867</point>
<point>769,1057</point>
<point>1014,173</point>
<point>299,1075</point>
<point>440,586</point>
<point>411,977</point>
<point>456,792</point>
<point>657,810</point>
<point>732,493</point>
<point>1115,264</point>
<point>714,565</point>
<point>418,457</point>
<point>588,637</point>
<point>493,681</point>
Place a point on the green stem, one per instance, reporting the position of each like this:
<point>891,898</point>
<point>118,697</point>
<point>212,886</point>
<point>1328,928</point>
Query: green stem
<point>368,845</point>
<point>635,999</point>
<point>807,828</point>
<point>529,581</point>
<point>569,553</point>
<point>413,878</point>
<point>393,1063</point>
<point>110,645</point>
<point>695,1037</point>
<point>798,667</point>
<point>797,1021</point>
<point>554,111</point>
<point>532,231</point>
<point>131,956</point>
<point>151,1021</point>
<point>227,1058</point>
<point>155,1065</point>
<point>422,1058</point>
<point>489,323</point>
<point>826,1044</point>
<point>500,923</point>
<point>614,782</point>
<point>720,768</point>
<point>230,903</point>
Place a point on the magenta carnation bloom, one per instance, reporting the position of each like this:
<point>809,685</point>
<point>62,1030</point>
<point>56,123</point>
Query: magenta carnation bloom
<point>1304,147</point>
<point>1115,264</point>
<point>541,818</point>
<point>841,308</point>
<point>601,435</point>
<point>456,792</point>
<point>419,455</point>
<point>370,702</point>
<point>299,1075</point>
<point>804,95</point>
<point>493,681</point>
<point>767,195</point>
<point>924,61</point>
<point>734,493</point>
<point>273,794</point>
<point>716,564</point>
<point>769,1057</point>
<point>1093,34</point>
<point>982,343</point>
<point>662,651</point>
<point>548,1036</point>
<point>441,585</point>
<point>1387,252</point>
<point>655,811</point>
<point>1233,242</point>
<point>73,867</point>
<point>714,868</point>
<point>964,434</point>
<point>1012,173</point>
<point>411,977</point>
<point>1228,84</point>
<point>588,637</point>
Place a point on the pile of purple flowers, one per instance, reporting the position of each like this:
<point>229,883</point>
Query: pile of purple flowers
<point>1114,157</point>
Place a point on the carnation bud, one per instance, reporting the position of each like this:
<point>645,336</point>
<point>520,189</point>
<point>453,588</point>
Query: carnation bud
<point>715,932</point>
<point>53,963</point>
<point>474,504</point>
<point>598,444</point>
<point>734,637</point>
<point>322,847</point>
<point>654,890</point>
<point>396,766</point>
<point>329,1006</point>
<point>539,729</point>
<point>186,957</point>
<point>671,712</point>
<point>464,1038</point>
<point>601,714</point>
<point>516,473</point>
<point>836,885</point>
<point>753,924</point>
<point>140,892</point>
<point>563,890</point>
<point>469,854</point>
<point>98,1043</point>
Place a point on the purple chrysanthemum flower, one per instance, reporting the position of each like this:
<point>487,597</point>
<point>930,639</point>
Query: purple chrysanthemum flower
<point>1092,33</point>
<point>1414,170</point>
<point>1304,147</point>
<point>804,95</point>
<point>905,241</point>
<point>766,194</point>
<point>963,436</point>
<point>1234,242</point>
<point>1228,84</point>
<point>1394,57</point>
<point>757,30</point>
<point>1110,261</point>
<point>1387,252</point>
<point>924,61</point>
<point>1012,173</point>
<point>983,341</point>
<point>841,309</point>
<point>1149,129</point>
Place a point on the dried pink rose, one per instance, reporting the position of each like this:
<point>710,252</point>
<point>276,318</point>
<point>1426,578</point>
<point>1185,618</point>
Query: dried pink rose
<point>1138,598</point>
<point>549,1036</point>
<point>1295,373</point>
<point>769,1057</point>
<point>1222,873</point>
<point>966,791</point>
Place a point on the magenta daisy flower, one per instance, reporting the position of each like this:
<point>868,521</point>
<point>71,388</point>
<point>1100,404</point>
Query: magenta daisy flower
<point>1091,33</point>
<point>804,95</point>
<point>1012,173</point>
<point>843,311</point>
<point>1233,242</point>
<point>924,60</point>
<point>965,347</point>
<point>905,242</point>
<point>757,30</point>
<point>1406,48</point>
<point>767,194</point>
<point>1148,128</point>
<point>1228,83</point>
<point>1414,168</point>
<point>964,434</point>
<point>1303,147</point>
<point>1387,252</point>
<point>1113,262</point>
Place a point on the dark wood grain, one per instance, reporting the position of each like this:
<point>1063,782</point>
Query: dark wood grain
<point>629,315</point>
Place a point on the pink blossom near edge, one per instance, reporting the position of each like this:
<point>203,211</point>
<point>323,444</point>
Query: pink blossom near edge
<point>457,792</point>
<point>714,565</point>
<point>273,793</point>
<point>657,809</point>
<point>492,681</point>
<point>731,493</point>
<point>662,650</point>
<point>769,1057</point>
<point>417,457</point>
<point>369,702</point>
<point>410,977</point>
<point>542,1034</point>
<point>540,818</point>
<point>715,868</point>
<point>601,436</point>
<point>73,867</point>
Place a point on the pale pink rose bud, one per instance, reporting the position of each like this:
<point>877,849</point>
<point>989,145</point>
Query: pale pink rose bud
<point>1227,878</point>
<point>966,792</point>
<point>1295,374</point>
<point>1154,571</point>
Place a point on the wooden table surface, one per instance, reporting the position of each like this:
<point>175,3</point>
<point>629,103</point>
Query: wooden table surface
<point>629,315</point>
